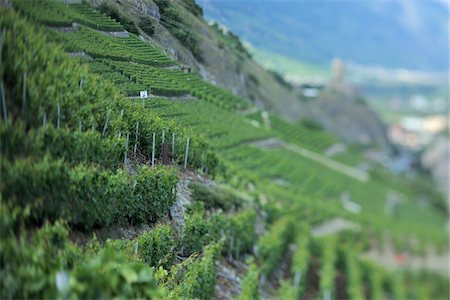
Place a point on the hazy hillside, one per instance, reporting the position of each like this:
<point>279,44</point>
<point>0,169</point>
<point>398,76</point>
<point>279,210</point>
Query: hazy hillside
<point>395,34</point>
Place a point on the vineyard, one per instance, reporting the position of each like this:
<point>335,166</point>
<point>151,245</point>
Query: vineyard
<point>178,195</point>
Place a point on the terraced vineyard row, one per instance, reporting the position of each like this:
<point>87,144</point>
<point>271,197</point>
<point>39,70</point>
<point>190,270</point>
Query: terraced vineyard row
<point>55,13</point>
<point>95,44</point>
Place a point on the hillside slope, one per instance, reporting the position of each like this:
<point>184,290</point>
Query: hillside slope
<point>221,58</point>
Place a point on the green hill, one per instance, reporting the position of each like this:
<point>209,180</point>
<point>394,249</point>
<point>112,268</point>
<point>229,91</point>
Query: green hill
<point>202,178</point>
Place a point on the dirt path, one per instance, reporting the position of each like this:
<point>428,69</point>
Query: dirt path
<point>389,258</point>
<point>333,226</point>
<point>330,163</point>
<point>326,161</point>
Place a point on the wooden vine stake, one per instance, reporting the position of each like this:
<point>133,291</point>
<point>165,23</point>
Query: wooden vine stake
<point>24,92</point>
<point>5,113</point>
<point>153,150</point>
<point>136,139</point>
<point>80,128</point>
<point>238,249</point>
<point>203,157</point>
<point>44,118</point>
<point>58,122</point>
<point>126,148</point>
<point>121,117</point>
<point>173,147</point>
<point>187,152</point>
<point>2,41</point>
<point>231,247</point>
<point>106,124</point>
<point>297,279</point>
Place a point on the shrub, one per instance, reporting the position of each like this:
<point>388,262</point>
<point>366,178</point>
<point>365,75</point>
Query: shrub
<point>311,124</point>
<point>272,246</point>
<point>242,230</point>
<point>199,279</point>
<point>155,246</point>
<point>300,259</point>
<point>328,270</point>
<point>146,24</point>
<point>196,231</point>
<point>86,196</point>
<point>214,197</point>
<point>112,10</point>
<point>250,283</point>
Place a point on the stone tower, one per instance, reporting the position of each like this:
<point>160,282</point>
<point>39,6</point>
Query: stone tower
<point>337,67</point>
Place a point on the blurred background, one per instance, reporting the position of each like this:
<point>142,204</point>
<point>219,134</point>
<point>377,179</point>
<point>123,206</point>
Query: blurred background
<point>393,54</point>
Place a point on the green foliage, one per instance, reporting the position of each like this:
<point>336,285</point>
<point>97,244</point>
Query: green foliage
<point>123,279</point>
<point>273,244</point>
<point>156,246</point>
<point>196,231</point>
<point>147,26</point>
<point>55,13</point>
<point>176,24</point>
<point>250,283</point>
<point>74,147</point>
<point>233,43</point>
<point>237,230</point>
<point>193,7</point>
<point>199,279</point>
<point>397,287</point>
<point>85,196</point>
<point>29,267</point>
<point>311,124</point>
<point>49,266</point>
<point>84,98</point>
<point>373,275</point>
<point>301,258</point>
<point>111,9</point>
<point>287,291</point>
<point>215,197</point>
<point>328,270</point>
<point>78,175</point>
<point>99,45</point>
<point>241,229</point>
<point>352,269</point>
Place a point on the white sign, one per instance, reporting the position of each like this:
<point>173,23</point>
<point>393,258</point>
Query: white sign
<point>143,94</point>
